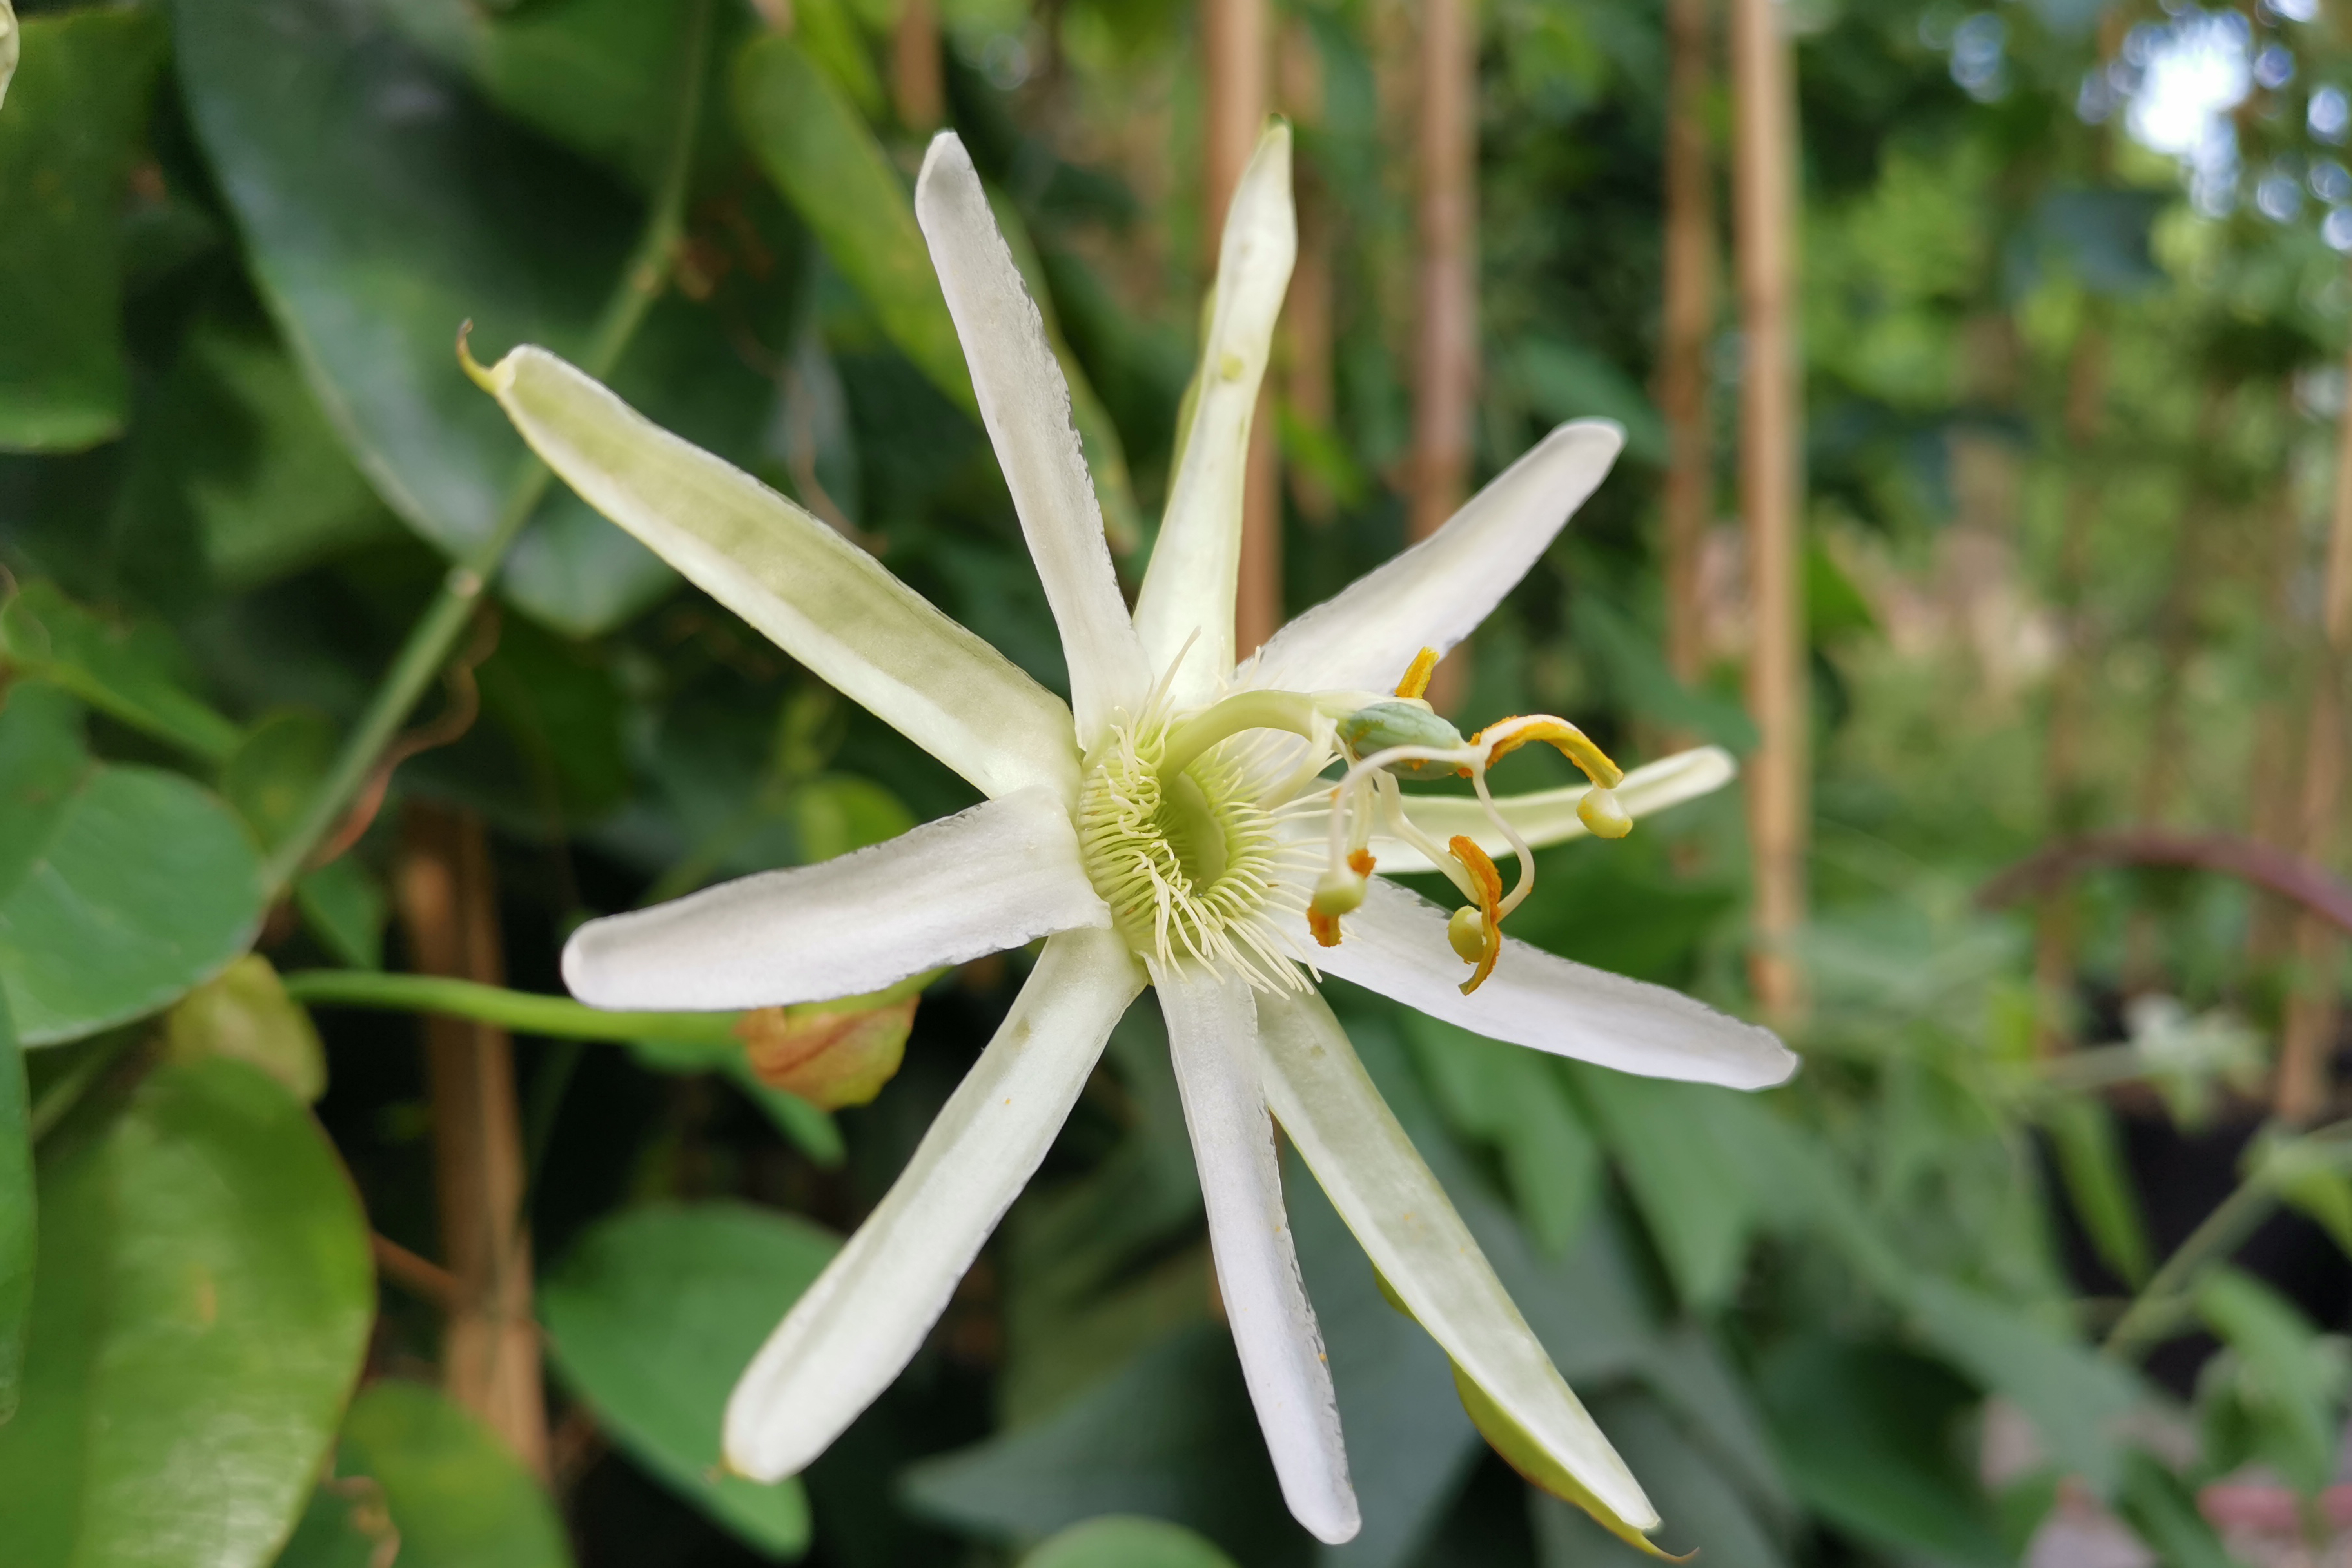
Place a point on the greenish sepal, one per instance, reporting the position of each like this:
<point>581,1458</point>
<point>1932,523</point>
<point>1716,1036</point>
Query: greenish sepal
<point>1538,1468</point>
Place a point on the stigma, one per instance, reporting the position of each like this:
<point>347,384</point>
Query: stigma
<point>1402,737</point>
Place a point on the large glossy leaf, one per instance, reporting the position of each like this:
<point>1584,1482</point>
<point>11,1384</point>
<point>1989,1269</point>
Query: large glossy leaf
<point>205,1301</point>
<point>236,454</point>
<point>457,1497</point>
<point>75,109</point>
<point>17,1229</point>
<point>651,1318</point>
<point>596,75</point>
<point>382,205</point>
<point>120,888</point>
<point>1127,1541</point>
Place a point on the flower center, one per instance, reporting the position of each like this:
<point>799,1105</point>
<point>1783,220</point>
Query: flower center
<point>1190,860</point>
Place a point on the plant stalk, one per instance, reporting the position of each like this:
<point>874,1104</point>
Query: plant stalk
<point>436,631</point>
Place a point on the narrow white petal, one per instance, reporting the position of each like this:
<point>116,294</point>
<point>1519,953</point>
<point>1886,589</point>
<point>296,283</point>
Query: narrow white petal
<point>864,1318</point>
<point>1395,944</point>
<point>819,597</point>
<point>1188,593</point>
<point>1407,1226</point>
<point>1549,816</point>
<point>1435,594</point>
<point>1025,402</point>
<point>1212,1037</point>
<point>999,875</point>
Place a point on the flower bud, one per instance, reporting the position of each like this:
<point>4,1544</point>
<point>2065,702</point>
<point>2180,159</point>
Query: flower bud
<point>828,1053</point>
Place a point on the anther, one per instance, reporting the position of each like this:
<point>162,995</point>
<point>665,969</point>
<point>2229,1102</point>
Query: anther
<point>1416,676</point>
<point>1475,932</point>
<point>1604,814</point>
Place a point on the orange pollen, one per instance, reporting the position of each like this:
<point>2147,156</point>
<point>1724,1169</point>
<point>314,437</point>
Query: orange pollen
<point>1571,742</point>
<point>1490,901</point>
<point>1325,927</point>
<point>1360,862</point>
<point>1417,675</point>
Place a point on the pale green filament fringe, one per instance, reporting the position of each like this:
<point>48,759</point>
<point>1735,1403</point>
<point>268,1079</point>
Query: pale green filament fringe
<point>1228,923</point>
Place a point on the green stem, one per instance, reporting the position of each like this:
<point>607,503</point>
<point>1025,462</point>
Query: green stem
<point>525,1013</point>
<point>437,630</point>
<point>2161,1302</point>
<point>1287,711</point>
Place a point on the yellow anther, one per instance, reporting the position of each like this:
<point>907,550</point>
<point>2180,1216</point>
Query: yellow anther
<point>1484,922</point>
<point>1572,742</point>
<point>1416,677</point>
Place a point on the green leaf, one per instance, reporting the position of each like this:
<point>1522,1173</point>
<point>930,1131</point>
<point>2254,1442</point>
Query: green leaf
<point>77,106</point>
<point>275,767</point>
<point>1565,381</point>
<point>1171,1436</point>
<point>346,1526</point>
<point>18,1230</point>
<point>238,454</point>
<point>457,1496</point>
<point>819,153</point>
<point>131,673</point>
<point>1127,1541</point>
<point>2287,1378</point>
<point>2091,1160</point>
<point>653,1315</point>
<point>839,813</point>
<point>599,76</point>
<point>382,207</point>
<point>244,1014</point>
<point>1699,1203</point>
<point>2073,1398</point>
<point>120,888</point>
<point>346,909</point>
<point>1870,1439</point>
<point>204,1301</point>
<point>1514,1100</point>
<point>2164,1513</point>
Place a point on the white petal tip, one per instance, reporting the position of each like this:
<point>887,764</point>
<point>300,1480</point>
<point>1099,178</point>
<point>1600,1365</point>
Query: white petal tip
<point>1335,1524</point>
<point>947,150</point>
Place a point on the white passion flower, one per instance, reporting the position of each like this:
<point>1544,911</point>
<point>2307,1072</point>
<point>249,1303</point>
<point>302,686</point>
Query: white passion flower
<point>1173,825</point>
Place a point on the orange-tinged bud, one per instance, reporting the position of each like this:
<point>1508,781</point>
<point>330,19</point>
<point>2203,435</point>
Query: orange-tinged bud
<point>829,1054</point>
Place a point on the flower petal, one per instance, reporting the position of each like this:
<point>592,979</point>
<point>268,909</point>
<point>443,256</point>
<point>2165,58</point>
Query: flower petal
<point>865,1316</point>
<point>1395,944</point>
<point>819,597</point>
<point>1189,591</point>
<point>1024,401</point>
<point>1549,816</point>
<point>1435,594</point>
<point>999,875</point>
<point>1211,1030</point>
<point>1406,1225</point>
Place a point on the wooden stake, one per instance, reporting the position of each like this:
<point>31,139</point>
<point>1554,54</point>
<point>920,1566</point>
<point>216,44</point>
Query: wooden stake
<point>917,86</point>
<point>1445,295</point>
<point>1770,488</point>
<point>1688,329</point>
<point>1235,52</point>
<point>2312,1012</point>
<point>2057,921</point>
<point>448,907</point>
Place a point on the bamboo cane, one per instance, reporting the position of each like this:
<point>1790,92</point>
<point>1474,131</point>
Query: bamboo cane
<point>1445,338</point>
<point>1770,495</point>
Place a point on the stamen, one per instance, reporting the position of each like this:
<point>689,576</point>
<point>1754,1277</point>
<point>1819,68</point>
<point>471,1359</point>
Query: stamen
<point>1478,939</point>
<point>1599,810</point>
<point>1416,677</point>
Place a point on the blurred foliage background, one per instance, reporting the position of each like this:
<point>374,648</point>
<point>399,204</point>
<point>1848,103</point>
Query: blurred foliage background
<point>2040,1258</point>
